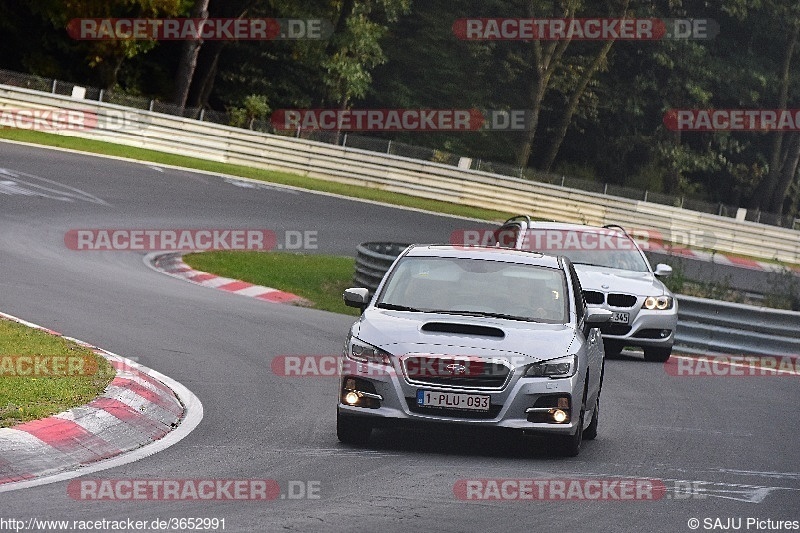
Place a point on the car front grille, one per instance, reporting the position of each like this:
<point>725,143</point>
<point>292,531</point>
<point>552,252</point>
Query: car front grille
<point>616,299</point>
<point>474,373</point>
<point>594,297</point>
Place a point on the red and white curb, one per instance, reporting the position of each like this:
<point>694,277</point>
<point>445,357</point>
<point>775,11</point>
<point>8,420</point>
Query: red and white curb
<point>140,412</point>
<point>172,264</point>
<point>719,258</point>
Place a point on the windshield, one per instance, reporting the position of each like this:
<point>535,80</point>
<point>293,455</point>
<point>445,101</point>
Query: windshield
<point>609,248</point>
<point>477,287</point>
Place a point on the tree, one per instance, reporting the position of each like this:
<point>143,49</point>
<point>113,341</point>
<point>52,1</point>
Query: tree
<point>104,57</point>
<point>188,59</point>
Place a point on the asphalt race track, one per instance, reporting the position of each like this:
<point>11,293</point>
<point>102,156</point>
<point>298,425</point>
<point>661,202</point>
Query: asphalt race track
<point>734,438</point>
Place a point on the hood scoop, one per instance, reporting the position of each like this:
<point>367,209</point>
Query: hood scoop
<point>456,328</point>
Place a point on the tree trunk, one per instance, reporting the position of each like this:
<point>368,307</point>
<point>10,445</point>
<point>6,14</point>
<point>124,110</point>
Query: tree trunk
<point>572,105</point>
<point>788,171</point>
<point>546,60</point>
<point>766,189</point>
<point>205,74</point>
<point>188,59</point>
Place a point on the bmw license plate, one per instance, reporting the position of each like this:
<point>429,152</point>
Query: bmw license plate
<point>620,318</point>
<point>453,400</point>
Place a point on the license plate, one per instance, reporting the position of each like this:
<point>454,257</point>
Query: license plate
<point>620,318</point>
<point>453,400</point>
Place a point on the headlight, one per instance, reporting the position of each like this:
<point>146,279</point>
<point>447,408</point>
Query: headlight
<point>562,367</point>
<point>659,303</point>
<point>366,353</point>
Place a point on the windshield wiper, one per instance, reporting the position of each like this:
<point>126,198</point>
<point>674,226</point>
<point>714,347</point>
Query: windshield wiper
<point>591,264</point>
<point>395,307</point>
<point>480,313</point>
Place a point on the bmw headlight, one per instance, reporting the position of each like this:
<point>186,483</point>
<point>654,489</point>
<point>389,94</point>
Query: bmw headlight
<point>658,303</point>
<point>367,353</point>
<point>563,367</point>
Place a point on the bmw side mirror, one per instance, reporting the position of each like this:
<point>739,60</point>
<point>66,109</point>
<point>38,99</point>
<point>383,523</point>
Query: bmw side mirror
<point>662,270</point>
<point>356,297</point>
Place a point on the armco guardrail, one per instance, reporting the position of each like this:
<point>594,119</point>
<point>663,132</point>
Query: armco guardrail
<point>409,176</point>
<point>373,259</point>
<point>725,327</point>
<point>707,326</point>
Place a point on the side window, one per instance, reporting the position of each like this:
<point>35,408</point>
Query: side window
<point>580,302</point>
<point>506,236</point>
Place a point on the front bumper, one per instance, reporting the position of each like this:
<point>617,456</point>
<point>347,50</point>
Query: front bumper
<point>508,406</point>
<point>646,327</point>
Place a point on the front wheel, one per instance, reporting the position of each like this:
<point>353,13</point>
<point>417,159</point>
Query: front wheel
<point>351,430</point>
<point>657,354</point>
<point>570,445</point>
<point>612,348</point>
<point>590,433</point>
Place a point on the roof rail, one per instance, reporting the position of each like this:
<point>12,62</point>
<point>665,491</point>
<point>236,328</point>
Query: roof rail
<point>615,226</point>
<point>526,217</point>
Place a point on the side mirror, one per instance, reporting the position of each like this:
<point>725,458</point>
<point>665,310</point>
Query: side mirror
<point>597,315</point>
<point>662,270</point>
<point>356,297</point>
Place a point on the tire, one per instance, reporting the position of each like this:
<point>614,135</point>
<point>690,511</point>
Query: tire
<point>654,354</point>
<point>570,445</point>
<point>612,348</point>
<point>352,430</point>
<point>590,433</point>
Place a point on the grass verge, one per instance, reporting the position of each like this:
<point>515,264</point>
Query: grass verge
<point>283,178</point>
<point>30,397</point>
<point>319,278</point>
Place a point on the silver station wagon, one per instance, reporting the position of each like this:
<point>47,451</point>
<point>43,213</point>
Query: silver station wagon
<point>615,274</point>
<point>474,336</point>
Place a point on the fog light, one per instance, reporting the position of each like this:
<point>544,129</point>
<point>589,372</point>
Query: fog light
<point>665,333</point>
<point>559,416</point>
<point>351,398</point>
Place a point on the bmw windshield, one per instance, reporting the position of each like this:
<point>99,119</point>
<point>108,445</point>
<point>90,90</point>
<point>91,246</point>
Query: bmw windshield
<point>608,249</point>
